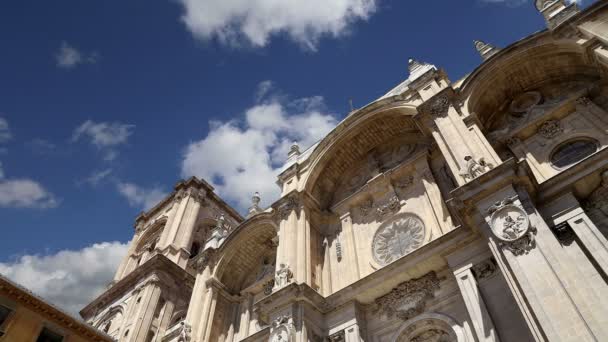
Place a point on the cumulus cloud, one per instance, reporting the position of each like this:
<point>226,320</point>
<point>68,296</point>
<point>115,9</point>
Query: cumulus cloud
<point>242,156</point>
<point>25,193</point>
<point>68,57</point>
<point>5,132</point>
<point>69,279</point>
<point>255,21</point>
<point>138,196</point>
<point>106,136</point>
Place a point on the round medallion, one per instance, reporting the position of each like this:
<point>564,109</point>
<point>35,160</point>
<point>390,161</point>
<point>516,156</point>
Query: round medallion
<point>509,223</point>
<point>524,102</point>
<point>397,238</point>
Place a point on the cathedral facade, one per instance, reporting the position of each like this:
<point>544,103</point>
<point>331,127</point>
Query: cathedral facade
<point>468,211</point>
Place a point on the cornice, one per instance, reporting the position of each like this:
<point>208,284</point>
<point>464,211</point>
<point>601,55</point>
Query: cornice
<point>186,187</point>
<point>26,298</point>
<point>158,264</point>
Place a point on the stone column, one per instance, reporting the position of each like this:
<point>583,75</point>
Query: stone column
<point>245,313</point>
<point>438,209</point>
<point>540,277</point>
<point>145,311</point>
<point>120,272</point>
<point>453,137</point>
<point>202,306</point>
<point>177,236</point>
<point>165,319</point>
<point>586,231</point>
<point>476,307</point>
<point>294,250</point>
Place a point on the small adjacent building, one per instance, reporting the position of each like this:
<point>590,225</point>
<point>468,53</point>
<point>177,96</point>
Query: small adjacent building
<point>25,317</point>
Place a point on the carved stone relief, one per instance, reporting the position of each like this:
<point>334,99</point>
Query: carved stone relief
<point>409,298</point>
<point>283,276</point>
<point>511,226</point>
<point>431,335</point>
<point>484,269</point>
<point>337,337</point>
<point>550,129</point>
<point>285,208</point>
<point>185,332</point>
<point>397,238</point>
<point>428,330</point>
<point>378,160</point>
<point>282,329</point>
<point>380,210</point>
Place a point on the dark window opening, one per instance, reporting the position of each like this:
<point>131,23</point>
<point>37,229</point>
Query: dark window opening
<point>573,151</point>
<point>47,335</point>
<point>195,249</point>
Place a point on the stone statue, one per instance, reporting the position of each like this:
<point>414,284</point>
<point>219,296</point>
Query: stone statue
<point>283,276</point>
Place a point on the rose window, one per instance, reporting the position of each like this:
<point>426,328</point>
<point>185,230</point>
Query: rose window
<point>397,238</point>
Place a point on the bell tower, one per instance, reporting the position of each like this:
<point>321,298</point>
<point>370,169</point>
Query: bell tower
<point>150,294</point>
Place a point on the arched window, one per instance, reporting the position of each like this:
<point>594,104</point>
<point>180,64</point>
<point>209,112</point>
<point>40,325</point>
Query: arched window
<point>152,246</point>
<point>573,151</point>
<point>107,327</point>
<point>196,247</point>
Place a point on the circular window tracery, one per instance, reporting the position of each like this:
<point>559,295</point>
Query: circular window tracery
<point>573,151</point>
<point>398,237</point>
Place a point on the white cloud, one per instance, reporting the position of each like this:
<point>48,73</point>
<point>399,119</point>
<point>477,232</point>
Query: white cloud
<point>25,193</point>
<point>255,21</point>
<point>104,135</point>
<point>139,196</point>
<point>240,157</point>
<point>5,132</point>
<point>68,56</point>
<point>96,177</point>
<point>69,278</point>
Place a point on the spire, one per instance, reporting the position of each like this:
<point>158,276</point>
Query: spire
<point>255,205</point>
<point>556,11</point>
<point>485,50</point>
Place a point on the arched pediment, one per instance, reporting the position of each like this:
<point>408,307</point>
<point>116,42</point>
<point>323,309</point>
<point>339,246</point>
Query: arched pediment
<point>244,251</point>
<point>522,67</point>
<point>342,151</point>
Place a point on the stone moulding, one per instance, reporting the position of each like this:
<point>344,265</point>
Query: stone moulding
<point>409,298</point>
<point>511,226</point>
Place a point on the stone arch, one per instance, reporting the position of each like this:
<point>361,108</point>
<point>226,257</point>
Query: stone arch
<point>113,317</point>
<point>352,141</point>
<point>432,326</point>
<point>151,234</point>
<point>522,67</point>
<point>244,251</point>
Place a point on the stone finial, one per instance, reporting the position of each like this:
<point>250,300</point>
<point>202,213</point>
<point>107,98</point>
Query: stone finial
<point>294,150</point>
<point>485,50</point>
<point>417,69</point>
<point>255,205</point>
<point>556,11</point>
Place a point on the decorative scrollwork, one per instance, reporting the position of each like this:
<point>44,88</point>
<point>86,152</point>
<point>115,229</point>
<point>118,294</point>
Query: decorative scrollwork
<point>550,129</point>
<point>409,298</point>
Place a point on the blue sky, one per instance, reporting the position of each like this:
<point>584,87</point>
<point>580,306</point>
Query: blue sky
<point>105,105</point>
